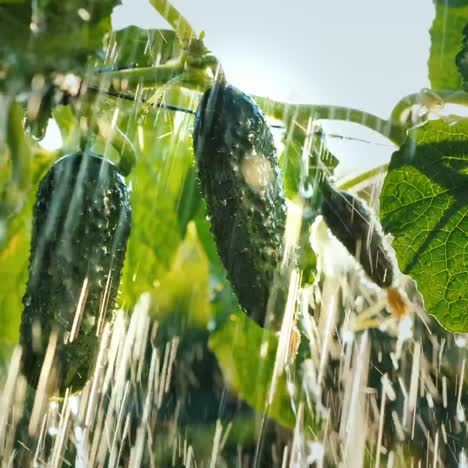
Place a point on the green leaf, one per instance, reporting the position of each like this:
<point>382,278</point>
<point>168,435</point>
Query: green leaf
<point>446,42</point>
<point>13,276</point>
<point>15,165</point>
<point>138,47</point>
<point>246,353</point>
<point>164,158</point>
<point>223,298</point>
<point>14,256</point>
<point>14,17</point>
<point>182,294</point>
<point>59,37</point>
<point>462,59</point>
<point>189,199</point>
<point>155,230</point>
<point>424,205</point>
<point>68,124</point>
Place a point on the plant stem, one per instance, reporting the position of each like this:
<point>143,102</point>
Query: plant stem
<point>19,148</point>
<point>126,150</point>
<point>287,113</point>
<point>181,26</point>
<point>430,99</point>
<point>138,99</point>
<point>145,76</point>
<point>394,129</point>
<point>365,176</point>
<point>195,79</point>
<point>301,113</point>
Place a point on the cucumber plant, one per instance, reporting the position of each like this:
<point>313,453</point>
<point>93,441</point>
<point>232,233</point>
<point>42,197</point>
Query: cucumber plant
<point>158,74</point>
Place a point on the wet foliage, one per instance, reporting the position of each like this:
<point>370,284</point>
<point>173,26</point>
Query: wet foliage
<point>365,362</point>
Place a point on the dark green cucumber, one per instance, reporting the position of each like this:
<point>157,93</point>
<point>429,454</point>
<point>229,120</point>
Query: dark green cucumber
<point>82,220</point>
<point>352,223</point>
<point>238,170</point>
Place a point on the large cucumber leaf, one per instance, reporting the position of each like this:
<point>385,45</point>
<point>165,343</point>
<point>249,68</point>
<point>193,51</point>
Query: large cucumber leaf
<point>424,205</point>
<point>446,42</point>
<point>462,58</point>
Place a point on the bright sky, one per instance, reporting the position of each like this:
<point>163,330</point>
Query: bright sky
<point>361,53</point>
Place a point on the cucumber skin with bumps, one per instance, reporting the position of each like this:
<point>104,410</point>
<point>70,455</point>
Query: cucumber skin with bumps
<point>81,223</point>
<point>350,221</point>
<point>238,170</point>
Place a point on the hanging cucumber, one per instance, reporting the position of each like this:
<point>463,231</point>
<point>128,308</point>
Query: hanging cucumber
<point>351,222</point>
<point>82,220</point>
<point>238,170</point>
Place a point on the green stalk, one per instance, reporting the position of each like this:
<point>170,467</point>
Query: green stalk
<point>363,177</point>
<point>430,99</point>
<point>195,79</point>
<point>20,153</point>
<point>145,76</point>
<point>181,26</point>
<point>394,129</point>
<point>126,150</point>
<point>301,113</point>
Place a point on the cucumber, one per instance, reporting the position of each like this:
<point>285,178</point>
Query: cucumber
<point>352,223</point>
<point>238,171</point>
<point>81,223</point>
